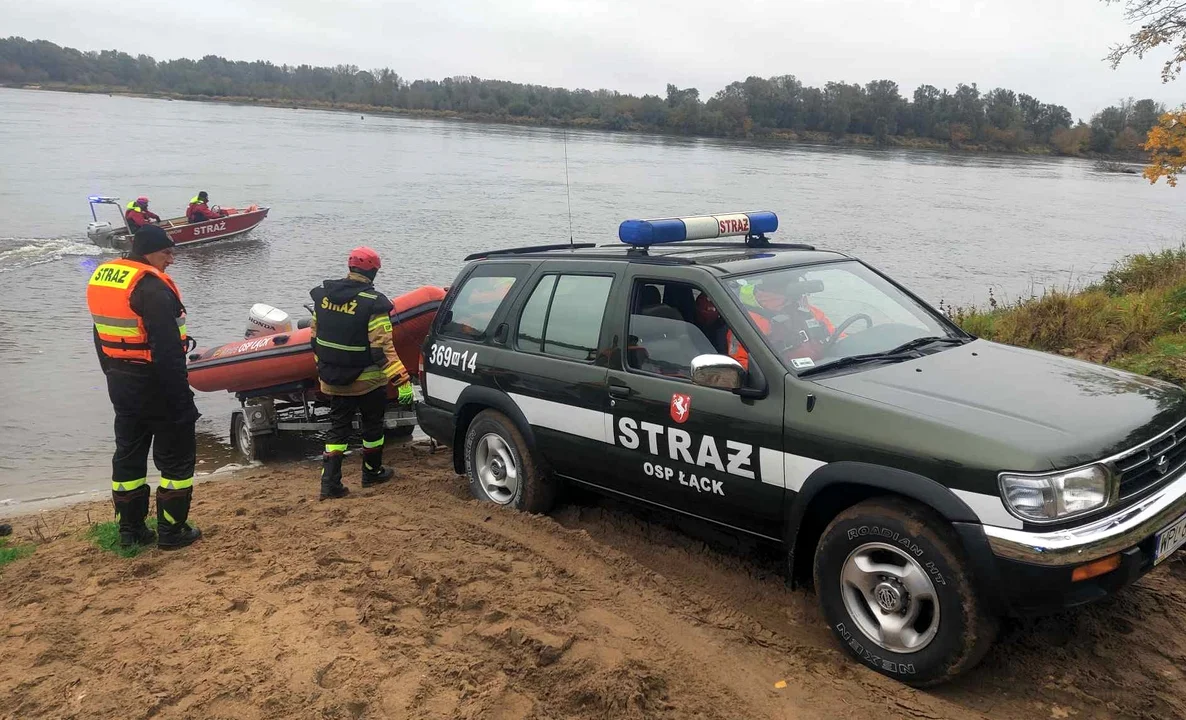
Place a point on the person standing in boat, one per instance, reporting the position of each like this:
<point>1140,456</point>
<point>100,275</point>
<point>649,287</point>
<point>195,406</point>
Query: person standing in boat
<point>351,338</point>
<point>140,337</point>
<point>138,215</point>
<point>199,209</point>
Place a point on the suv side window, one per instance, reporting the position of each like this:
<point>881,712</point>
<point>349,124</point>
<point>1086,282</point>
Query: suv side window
<point>563,316</point>
<point>670,324</point>
<point>478,299</point>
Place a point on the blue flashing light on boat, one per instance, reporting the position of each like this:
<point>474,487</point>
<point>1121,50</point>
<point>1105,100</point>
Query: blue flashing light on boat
<point>701,227</point>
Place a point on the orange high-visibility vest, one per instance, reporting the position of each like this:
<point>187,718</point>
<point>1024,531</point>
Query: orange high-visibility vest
<point>737,351</point>
<point>122,335</point>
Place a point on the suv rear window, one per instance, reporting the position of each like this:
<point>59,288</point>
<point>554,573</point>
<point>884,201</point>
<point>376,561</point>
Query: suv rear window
<point>563,316</point>
<point>478,300</point>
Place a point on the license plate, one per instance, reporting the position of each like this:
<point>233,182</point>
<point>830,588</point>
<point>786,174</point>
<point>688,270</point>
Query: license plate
<point>1170,539</point>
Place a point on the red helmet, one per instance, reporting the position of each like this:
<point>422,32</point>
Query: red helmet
<point>706,311</point>
<point>141,200</point>
<point>364,258</point>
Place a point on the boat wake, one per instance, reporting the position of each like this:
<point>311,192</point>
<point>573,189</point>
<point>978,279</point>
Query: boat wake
<point>20,253</point>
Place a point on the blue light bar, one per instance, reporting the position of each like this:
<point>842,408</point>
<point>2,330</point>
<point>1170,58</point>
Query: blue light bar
<point>701,227</point>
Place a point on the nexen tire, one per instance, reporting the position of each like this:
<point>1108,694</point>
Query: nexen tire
<point>495,451</point>
<point>864,545</point>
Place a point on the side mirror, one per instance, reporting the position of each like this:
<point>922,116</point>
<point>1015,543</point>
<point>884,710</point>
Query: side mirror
<point>717,371</point>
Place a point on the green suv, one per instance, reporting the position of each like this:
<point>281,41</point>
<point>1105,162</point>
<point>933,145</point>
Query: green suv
<point>927,482</point>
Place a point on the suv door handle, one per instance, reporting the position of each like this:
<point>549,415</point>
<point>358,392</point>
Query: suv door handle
<point>620,391</point>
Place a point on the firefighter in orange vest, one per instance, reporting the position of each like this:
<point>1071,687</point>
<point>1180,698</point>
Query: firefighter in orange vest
<point>788,318</point>
<point>356,359</point>
<point>140,336</point>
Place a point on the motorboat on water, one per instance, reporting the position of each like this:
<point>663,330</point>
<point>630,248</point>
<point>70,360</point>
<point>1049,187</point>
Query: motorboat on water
<point>119,236</point>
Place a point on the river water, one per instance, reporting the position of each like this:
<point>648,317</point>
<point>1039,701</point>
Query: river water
<point>425,193</point>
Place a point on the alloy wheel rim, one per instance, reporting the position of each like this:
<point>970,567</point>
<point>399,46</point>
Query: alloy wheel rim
<point>890,596</point>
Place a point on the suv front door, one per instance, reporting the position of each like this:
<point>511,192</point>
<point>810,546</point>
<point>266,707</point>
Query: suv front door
<point>703,451</point>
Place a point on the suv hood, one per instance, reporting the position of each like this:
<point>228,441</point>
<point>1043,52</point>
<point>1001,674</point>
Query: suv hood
<point>1066,410</point>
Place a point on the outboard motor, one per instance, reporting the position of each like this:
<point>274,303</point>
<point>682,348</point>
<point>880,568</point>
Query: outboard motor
<point>267,320</point>
<point>100,233</point>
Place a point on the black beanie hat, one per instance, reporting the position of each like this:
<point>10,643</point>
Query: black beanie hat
<point>150,239</point>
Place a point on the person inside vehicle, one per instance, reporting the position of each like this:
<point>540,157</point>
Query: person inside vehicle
<point>199,209</point>
<point>787,318</point>
<point>708,319</point>
<point>138,215</point>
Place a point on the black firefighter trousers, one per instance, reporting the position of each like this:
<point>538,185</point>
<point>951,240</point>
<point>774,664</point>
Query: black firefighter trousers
<point>371,407</point>
<point>141,422</point>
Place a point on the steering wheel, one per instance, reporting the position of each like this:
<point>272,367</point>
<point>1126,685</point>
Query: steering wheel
<point>216,208</point>
<point>849,321</point>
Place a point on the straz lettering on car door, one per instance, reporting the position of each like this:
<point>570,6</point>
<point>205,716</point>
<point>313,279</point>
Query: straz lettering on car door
<point>716,459</point>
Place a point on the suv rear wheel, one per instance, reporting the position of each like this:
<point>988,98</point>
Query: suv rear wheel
<point>897,594</point>
<point>501,467</point>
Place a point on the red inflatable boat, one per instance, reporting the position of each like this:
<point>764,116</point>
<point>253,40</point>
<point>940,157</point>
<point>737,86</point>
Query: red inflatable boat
<point>281,358</point>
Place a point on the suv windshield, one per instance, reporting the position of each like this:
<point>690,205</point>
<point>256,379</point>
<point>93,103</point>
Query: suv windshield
<point>815,316</point>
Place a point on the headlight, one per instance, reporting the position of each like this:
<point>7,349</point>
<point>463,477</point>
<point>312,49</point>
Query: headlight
<point>1057,496</point>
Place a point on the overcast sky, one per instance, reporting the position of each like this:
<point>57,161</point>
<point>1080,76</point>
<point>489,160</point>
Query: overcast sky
<point>1052,49</point>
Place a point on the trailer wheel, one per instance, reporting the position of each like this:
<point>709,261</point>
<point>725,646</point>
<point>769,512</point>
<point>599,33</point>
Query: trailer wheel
<point>400,432</point>
<point>251,447</point>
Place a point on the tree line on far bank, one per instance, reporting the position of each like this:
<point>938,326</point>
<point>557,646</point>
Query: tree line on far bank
<point>999,119</point>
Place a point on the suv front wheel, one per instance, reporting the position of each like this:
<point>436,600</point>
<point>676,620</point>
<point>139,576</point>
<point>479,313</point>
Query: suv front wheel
<point>501,468</point>
<point>895,590</point>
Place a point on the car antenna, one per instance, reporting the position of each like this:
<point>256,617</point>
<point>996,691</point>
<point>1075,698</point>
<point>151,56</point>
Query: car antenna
<point>567,191</point>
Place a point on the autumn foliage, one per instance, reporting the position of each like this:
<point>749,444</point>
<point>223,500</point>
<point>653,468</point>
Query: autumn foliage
<point>1166,145</point>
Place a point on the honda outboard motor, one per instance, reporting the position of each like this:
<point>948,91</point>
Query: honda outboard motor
<point>267,320</point>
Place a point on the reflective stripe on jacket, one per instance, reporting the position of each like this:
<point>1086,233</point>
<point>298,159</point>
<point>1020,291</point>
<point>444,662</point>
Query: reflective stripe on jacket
<point>352,358</point>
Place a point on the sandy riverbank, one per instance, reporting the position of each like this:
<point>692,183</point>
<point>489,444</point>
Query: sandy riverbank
<point>413,601</point>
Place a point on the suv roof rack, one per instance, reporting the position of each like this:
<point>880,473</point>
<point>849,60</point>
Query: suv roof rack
<point>785,246</point>
<point>529,249</point>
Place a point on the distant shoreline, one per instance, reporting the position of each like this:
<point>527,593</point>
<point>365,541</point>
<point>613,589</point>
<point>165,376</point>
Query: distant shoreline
<point>782,137</point>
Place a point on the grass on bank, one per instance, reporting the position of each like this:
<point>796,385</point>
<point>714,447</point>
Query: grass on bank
<point>11,553</point>
<point>1134,318</point>
<point>105,536</point>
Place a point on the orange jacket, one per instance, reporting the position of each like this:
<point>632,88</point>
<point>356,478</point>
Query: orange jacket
<point>121,331</point>
<point>738,352</point>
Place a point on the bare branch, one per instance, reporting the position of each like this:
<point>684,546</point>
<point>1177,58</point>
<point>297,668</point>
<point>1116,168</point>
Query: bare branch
<point>1163,22</point>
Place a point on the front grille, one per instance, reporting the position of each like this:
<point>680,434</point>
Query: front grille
<point>1148,466</point>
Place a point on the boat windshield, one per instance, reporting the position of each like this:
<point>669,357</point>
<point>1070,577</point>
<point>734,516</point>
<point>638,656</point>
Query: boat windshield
<point>836,314</point>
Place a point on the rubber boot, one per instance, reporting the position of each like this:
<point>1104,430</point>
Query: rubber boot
<point>373,472</point>
<point>131,509</point>
<point>172,510</point>
<point>331,477</point>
